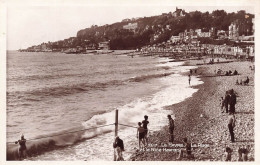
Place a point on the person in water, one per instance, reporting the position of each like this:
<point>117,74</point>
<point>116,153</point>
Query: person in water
<point>22,147</point>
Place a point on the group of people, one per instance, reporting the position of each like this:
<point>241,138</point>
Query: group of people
<point>242,153</point>
<point>245,82</point>
<point>142,132</point>
<point>229,103</point>
<point>227,73</point>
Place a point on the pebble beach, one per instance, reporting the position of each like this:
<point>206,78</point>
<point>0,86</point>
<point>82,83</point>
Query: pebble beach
<point>200,118</point>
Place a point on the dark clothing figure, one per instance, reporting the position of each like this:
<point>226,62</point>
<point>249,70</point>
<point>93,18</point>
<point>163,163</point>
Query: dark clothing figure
<point>226,100</point>
<point>232,101</point>
<point>187,149</point>
<point>226,73</point>
<point>228,153</point>
<point>190,71</point>
<point>119,143</point>
<point>22,147</point>
<point>171,128</point>
<point>247,81</point>
<point>118,149</point>
<point>235,72</point>
<point>145,122</point>
<point>189,79</point>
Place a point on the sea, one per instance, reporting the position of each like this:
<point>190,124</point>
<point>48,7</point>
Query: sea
<point>64,104</point>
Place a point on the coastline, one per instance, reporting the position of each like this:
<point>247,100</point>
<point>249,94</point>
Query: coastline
<point>210,129</point>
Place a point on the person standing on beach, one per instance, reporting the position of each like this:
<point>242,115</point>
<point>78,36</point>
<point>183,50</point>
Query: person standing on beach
<point>171,128</point>
<point>145,123</point>
<point>232,101</point>
<point>227,98</point>
<point>118,148</point>
<point>231,125</point>
<point>189,79</point>
<point>140,134</point>
<point>22,147</point>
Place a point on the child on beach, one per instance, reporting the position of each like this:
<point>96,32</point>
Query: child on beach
<point>145,123</point>
<point>140,134</point>
<point>22,147</point>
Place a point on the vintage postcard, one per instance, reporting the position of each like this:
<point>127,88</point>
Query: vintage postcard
<point>129,81</point>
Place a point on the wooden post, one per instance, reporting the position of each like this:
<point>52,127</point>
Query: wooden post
<point>116,129</point>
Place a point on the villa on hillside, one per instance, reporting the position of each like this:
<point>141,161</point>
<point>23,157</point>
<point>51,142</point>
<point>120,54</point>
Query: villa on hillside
<point>104,45</point>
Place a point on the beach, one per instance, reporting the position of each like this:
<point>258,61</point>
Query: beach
<point>199,118</point>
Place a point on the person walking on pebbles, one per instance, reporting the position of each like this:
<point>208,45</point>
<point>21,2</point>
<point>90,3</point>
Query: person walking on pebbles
<point>171,128</point>
<point>22,147</point>
<point>231,125</point>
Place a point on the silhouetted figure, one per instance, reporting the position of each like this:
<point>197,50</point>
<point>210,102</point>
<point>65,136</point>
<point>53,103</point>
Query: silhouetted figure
<point>145,122</point>
<point>140,135</point>
<point>232,101</point>
<point>246,81</point>
<point>171,128</point>
<point>235,72</point>
<point>226,100</point>
<point>189,79</point>
<point>187,149</point>
<point>228,154</point>
<point>22,147</point>
<point>118,148</point>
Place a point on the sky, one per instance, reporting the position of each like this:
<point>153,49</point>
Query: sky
<point>29,25</point>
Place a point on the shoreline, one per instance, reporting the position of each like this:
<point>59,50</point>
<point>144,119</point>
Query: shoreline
<point>211,128</point>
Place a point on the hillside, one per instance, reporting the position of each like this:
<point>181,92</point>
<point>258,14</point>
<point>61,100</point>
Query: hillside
<point>135,33</point>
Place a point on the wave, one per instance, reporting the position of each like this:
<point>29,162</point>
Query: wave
<point>77,88</point>
<point>53,141</point>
